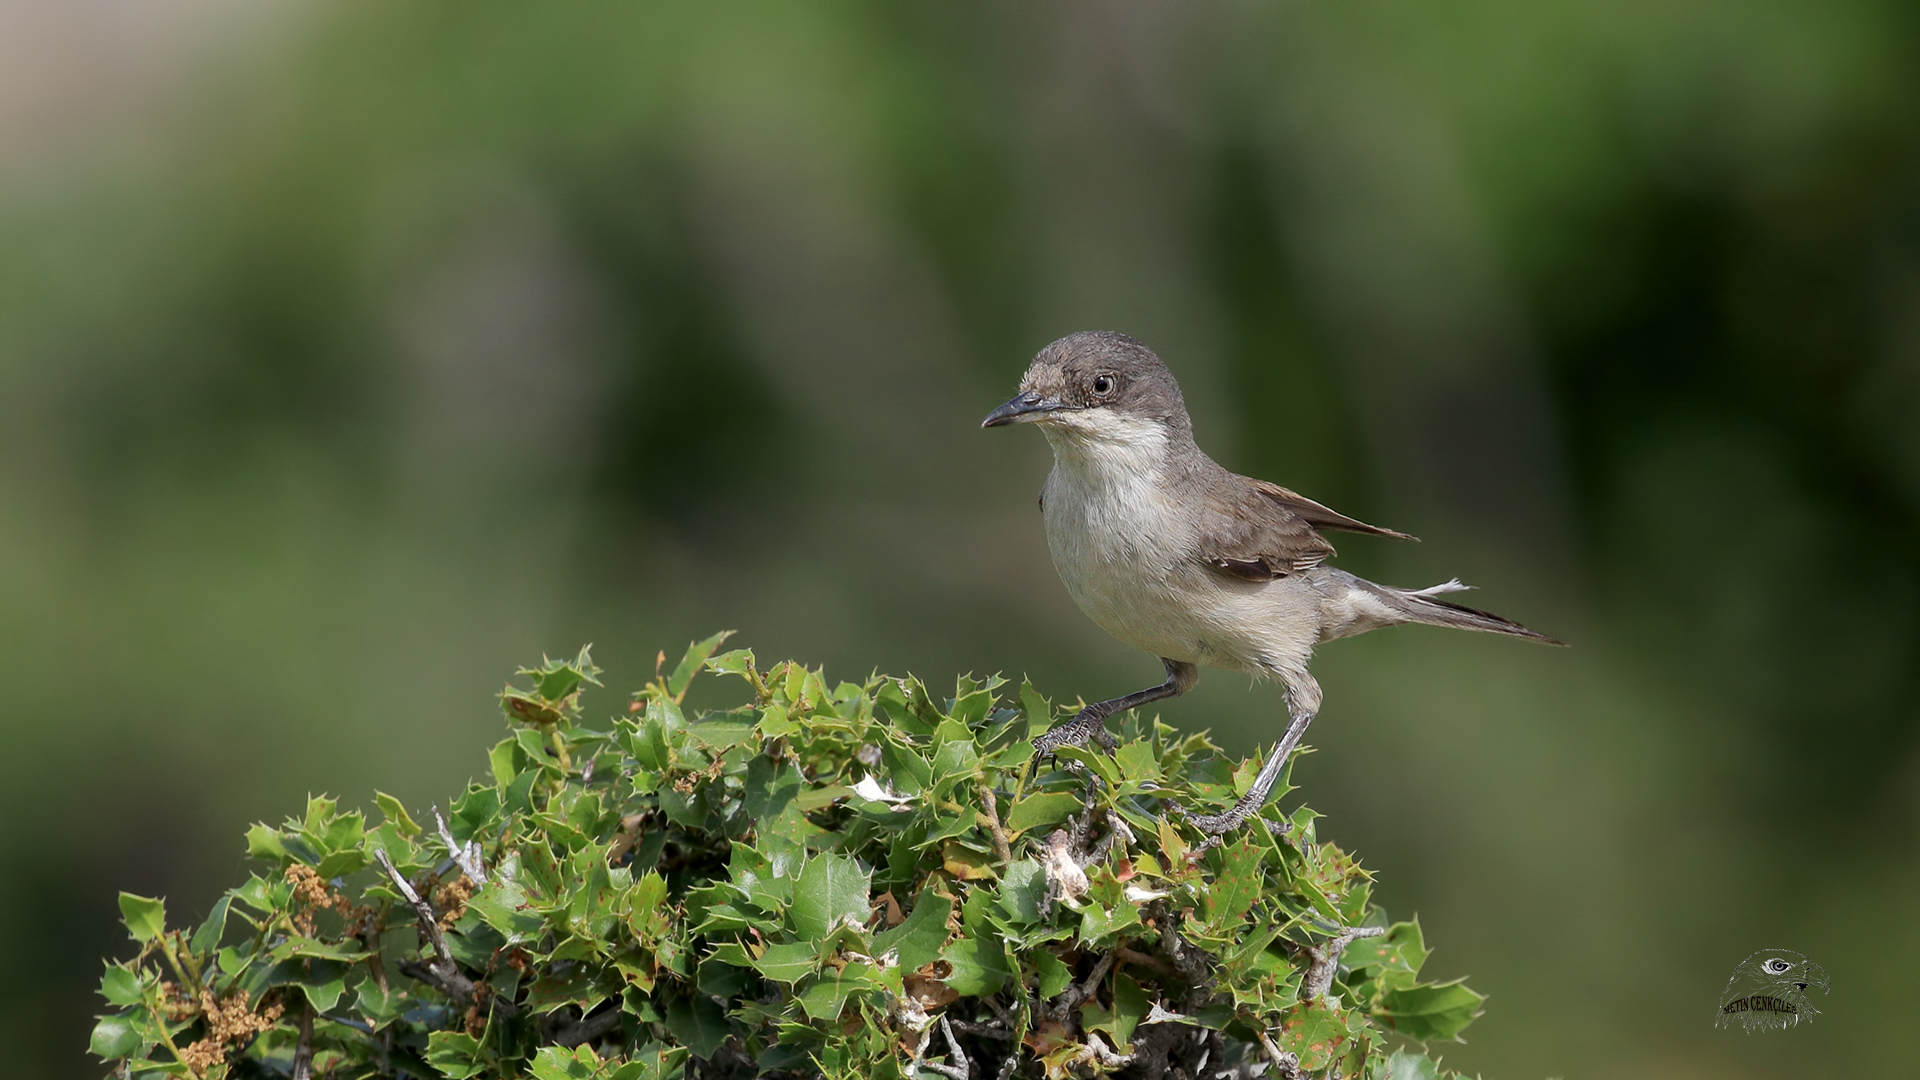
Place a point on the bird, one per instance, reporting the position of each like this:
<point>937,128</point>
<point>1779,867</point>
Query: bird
<point>1173,554</point>
<point>1769,991</point>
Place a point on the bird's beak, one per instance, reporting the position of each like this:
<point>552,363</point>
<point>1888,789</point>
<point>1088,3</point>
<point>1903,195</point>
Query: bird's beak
<point>1025,407</point>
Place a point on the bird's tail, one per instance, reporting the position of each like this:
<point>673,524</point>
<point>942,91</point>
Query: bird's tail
<point>1425,606</point>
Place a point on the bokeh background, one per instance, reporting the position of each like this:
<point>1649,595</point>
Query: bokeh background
<point>353,354</point>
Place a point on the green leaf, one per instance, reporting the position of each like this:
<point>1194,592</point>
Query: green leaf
<point>1136,761</point>
<point>554,1063</point>
<point>120,986</point>
<point>207,938</point>
<point>263,842</point>
<point>699,1024</point>
<point>825,999</point>
<point>1023,888</point>
<point>1039,713</point>
<point>325,995</point>
<point>831,890</point>
<point>1431,1012</point>
<point>656,1061</point>
<point>1130,1006</point>
<point>979,965</point>
<point>1393,959</point>
<point>1314,1030</point>
<point>907,771</point>
<point>146,918</point>
<point>576,987</point>
<point>1053,974</point>
<point>1099,922</point>
<point>504,761</point>
<point>690,664</point>
<point>789,963</point>
<point>1237,887</point>
<point>776,724</point>
<point>396,814</point>
<point>738,662</point>
<point>918,940</point>
<point>954,757</point>
<point>380,1007</point>
<point>114,1037</point>
<point>1407,1065</point>
<point>723,734</point>
<point>455,1054</point>
<point>1043,809</point>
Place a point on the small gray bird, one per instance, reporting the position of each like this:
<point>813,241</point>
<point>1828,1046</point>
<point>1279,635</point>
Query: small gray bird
<point>1171,553</point>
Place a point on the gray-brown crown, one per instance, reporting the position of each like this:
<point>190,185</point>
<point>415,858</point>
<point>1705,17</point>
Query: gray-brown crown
<point>1097,369</point>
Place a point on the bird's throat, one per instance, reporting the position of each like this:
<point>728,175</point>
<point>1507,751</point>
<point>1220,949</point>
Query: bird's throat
<point>1107,447</point>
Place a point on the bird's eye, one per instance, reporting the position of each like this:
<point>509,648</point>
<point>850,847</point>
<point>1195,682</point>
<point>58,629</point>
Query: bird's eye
<point>1776,966</point>
<point>1102,385</point>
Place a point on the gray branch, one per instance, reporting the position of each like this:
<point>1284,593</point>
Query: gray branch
<point>1326,960</point>
<point>962,1069</point>
<point>303,1050</point>
<point>1077,993</point>
<point>467,857</point>
<point>442,973</point>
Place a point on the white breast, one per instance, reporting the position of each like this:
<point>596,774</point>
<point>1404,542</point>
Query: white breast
<point>1117,541</point>
<point>1127,553</point>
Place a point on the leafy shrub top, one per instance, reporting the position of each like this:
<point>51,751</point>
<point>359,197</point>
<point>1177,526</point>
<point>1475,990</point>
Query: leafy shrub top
<point>856,880</point>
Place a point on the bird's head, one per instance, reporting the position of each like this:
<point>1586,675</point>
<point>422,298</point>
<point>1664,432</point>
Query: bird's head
<point>1096,384</point>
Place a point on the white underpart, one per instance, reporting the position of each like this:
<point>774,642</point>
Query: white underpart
<point>1128,555</point>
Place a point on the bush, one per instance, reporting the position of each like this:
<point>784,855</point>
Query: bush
<point>848,881</point>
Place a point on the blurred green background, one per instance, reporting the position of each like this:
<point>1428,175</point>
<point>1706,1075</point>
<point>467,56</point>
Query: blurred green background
<point>351,355</point>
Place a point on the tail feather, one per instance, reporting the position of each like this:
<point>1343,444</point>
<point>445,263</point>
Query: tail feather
<point>1447,586</point>
<point>1423,606</point>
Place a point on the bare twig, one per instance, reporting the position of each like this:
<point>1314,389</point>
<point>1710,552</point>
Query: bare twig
<point>468,856</point>
<point>303,1050</point>
<point>429,922</point>
<point>1106,1057</point>
<point>1079,825</point>
<point>990,1030</point>
<point>953,1045</point>
<point>1187,961</point>
<point>1286,1065</point>
<point>961,1069</point>
<point>1116,831</point>
<point>990,815</point>
<point>443,972</point>
<point>1326,960</point>
<point>1140,959</point>
<point>1077,993</point>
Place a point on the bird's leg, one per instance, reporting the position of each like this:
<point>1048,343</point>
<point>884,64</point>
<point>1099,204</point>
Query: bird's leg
<point>1090,723</point>
<point>1218,825</point>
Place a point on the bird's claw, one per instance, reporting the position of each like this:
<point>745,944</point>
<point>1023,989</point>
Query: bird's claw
<point>1086,726</point>
<point>1218,826</point>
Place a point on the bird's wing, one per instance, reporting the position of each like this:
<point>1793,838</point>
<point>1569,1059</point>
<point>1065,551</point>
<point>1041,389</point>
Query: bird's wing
<point>1258,531</point>
<point>1318,516</point>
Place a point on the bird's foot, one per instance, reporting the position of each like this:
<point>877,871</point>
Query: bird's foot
<point>1218,826</point>
<point>1086,726</point>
